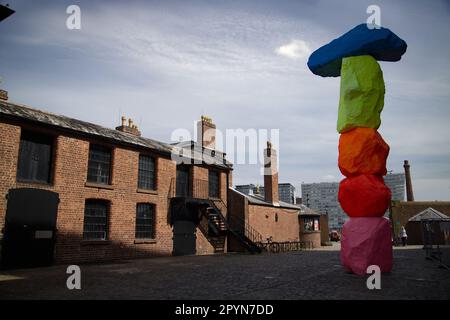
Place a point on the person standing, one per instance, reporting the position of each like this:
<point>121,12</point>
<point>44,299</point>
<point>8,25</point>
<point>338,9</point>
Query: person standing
<point>403,235</point>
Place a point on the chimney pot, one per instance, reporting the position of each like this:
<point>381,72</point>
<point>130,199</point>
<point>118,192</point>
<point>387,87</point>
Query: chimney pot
<point>3,95</point>
<point>130,128</point>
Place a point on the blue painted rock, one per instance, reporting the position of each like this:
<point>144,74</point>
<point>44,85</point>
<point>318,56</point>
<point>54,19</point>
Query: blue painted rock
<point>382,44</point>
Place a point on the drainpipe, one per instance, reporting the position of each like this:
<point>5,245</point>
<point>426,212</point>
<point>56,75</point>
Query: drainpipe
<point>228,197</point>
<point>228,209</point>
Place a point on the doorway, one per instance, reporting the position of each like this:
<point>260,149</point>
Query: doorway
<point>29,234</point>
<point>184,238</point>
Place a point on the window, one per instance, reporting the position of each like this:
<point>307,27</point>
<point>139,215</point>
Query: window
<point>214,190</point>
<point>276,217</point>
<point>96,220</point>
<point>146,175</point>
<point>99,167</point>
<point>35,157</point>
<point>145,221</point>
<point>311,224</point>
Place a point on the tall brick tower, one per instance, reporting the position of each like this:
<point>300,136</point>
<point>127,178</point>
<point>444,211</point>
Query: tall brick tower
<point>271,175</point>
<point>409,188</point>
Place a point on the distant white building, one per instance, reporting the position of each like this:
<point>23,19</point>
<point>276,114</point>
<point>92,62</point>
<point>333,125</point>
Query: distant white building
<point>286,191</point>
<point>322,197</point>
<point>396,183</point>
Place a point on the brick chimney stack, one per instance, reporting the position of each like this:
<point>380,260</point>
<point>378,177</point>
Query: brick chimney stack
<point>206,133</point>
<point>131,128</point>
<point>3,95</point>
<point>409,188</point>
<point>271,175</point>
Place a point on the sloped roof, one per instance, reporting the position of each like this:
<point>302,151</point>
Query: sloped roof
<point>22,112</point>
<point>430,214</point>
<point>197,152</point>
<point>306,211</point>
<point>259,200</point>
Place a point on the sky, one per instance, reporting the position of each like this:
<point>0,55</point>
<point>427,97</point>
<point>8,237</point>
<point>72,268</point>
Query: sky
<point>242,63</point>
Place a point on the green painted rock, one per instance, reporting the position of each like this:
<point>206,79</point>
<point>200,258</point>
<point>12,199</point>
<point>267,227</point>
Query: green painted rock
<point>362,93</point>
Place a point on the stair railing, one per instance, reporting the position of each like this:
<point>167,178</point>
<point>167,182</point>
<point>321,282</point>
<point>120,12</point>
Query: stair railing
<point>237,223</point>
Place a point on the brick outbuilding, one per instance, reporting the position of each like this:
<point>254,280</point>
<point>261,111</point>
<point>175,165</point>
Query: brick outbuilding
<point>264,218</point>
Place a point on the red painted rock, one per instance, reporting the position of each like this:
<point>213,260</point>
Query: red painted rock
<point>364,196</point>
<point>362,151</point>
<point>365,242</point>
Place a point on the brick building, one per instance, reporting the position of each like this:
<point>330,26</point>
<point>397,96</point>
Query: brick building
<point>264,216</point>
<point>402,211</point>
<point>72,191</point>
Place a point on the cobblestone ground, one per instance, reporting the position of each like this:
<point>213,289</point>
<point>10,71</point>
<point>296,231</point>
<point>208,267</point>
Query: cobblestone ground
<point>297,275</point>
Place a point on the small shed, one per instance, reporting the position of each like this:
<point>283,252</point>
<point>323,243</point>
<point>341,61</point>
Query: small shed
<point>428,226</point>
<point>310,227</point>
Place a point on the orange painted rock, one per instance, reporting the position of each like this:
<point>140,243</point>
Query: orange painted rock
<point>362,151</point>
<point>364,196</point>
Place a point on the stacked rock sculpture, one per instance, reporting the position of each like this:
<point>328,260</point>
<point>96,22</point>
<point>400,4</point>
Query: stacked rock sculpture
<point>366,236</point>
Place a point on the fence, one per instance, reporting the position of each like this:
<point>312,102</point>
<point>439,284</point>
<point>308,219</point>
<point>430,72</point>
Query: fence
<point>277,247</point>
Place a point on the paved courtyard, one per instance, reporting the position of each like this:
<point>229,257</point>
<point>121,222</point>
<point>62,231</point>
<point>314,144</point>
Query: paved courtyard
<point>297,275</point>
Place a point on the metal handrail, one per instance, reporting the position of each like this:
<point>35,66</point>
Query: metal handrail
<point>250,232</point>
<point>200,191</point>
<point>197,188</point>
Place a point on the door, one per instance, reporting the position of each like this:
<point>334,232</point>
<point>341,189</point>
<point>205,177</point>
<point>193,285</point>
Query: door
<point>30,227</point>
<point>183,181</point>
<point>184,238</point>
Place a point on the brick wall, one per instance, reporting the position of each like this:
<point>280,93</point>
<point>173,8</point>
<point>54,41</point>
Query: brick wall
<point>312,237</point>
<point>262,218</point>
<point>324,229</point>
<point>69,181</point>
<point>203,246</point>
<point>402,211</point>
<point>9,150</point>
<point>238,206</point>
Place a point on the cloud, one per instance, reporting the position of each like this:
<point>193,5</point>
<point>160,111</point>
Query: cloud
<point>296,49</point>
<point>166,63</point>
<point>329,177</point>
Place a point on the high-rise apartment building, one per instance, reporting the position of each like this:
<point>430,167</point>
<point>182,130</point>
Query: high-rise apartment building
<point>322,197</point>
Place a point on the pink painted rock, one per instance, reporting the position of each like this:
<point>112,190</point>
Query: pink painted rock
<point>365,242</point>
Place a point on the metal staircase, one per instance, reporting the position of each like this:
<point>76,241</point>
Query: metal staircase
<point>249,238</point>
<point>212,223</point>
<point>214,228</point>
